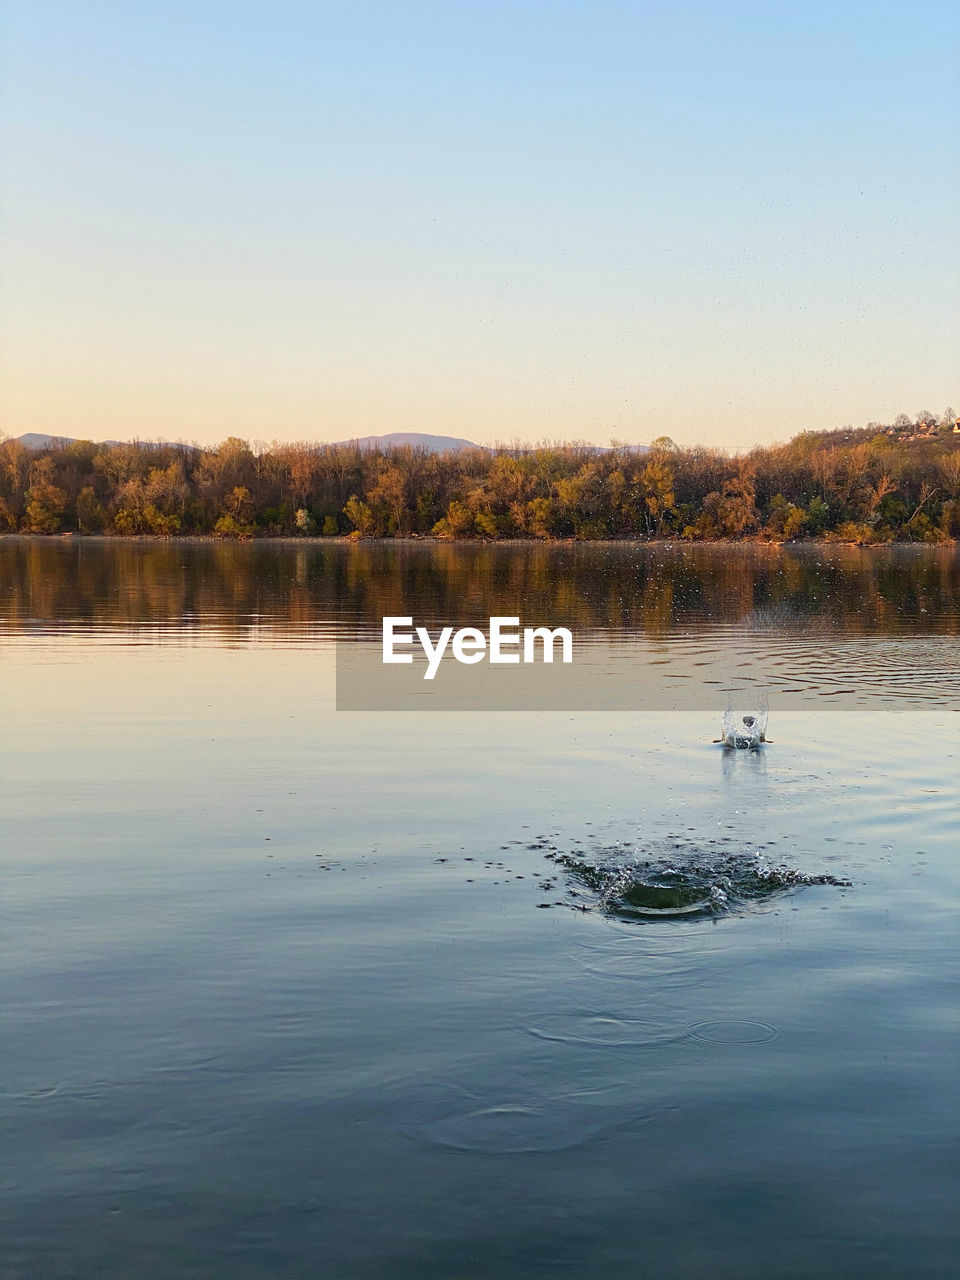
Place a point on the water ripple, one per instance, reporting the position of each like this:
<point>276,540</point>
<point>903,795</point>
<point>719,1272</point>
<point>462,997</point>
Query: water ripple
<point>684,883</point>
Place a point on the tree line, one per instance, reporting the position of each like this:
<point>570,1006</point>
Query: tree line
<point>876,484</point>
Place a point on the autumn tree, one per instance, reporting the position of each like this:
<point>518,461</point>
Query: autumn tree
<point>658,479</point>
<point>45,501</point>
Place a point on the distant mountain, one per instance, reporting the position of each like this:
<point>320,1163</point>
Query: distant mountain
<point>392,440</point>
<point>37,440</point>
<point>414,439</point>
<point>445,444</point>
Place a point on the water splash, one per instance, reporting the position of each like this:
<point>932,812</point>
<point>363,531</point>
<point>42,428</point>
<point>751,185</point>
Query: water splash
<point>687,883</point>
<point>745,730</point>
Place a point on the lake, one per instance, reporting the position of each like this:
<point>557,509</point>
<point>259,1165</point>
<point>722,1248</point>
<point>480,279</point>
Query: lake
<point>290,991</point>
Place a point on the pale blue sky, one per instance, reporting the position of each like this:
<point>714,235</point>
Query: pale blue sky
<point>724,222</point>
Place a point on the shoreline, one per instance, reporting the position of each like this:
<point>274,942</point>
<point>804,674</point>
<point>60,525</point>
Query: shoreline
<point>415,540</point>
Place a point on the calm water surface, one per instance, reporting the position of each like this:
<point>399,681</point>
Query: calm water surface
<point>286,991</point>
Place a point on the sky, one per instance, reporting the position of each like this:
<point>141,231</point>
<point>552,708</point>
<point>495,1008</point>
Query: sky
<point>722,222</point>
